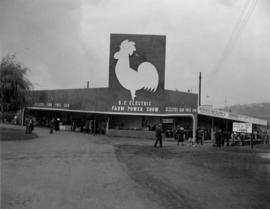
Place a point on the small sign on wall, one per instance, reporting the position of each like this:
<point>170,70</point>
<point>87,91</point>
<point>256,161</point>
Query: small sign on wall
<point>167,120</point>
<point>242,127</point>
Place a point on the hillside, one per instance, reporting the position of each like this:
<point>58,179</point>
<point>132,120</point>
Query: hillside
<point>260,110</point>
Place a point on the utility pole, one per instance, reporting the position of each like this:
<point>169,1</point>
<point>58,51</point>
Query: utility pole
<point>200,84</point>
<point>225,103</point>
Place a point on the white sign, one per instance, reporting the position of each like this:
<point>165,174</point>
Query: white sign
<point>231,116</point>
<point>242,127</point>
<point>145,77</point>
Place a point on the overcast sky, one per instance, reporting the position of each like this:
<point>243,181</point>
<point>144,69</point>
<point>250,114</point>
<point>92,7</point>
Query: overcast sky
<point>66,42</point>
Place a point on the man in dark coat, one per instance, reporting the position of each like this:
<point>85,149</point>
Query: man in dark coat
<point>180,136</point>
<point>51,125</point>
<point>158,136</point>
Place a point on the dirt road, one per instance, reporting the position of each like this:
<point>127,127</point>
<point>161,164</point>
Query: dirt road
<point>74,170</point>
<point>66,170</point>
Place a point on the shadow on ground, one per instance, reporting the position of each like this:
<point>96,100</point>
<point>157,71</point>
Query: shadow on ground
<point>7,134</point>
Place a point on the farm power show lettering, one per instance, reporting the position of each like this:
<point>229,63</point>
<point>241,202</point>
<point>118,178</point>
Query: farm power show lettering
<point>135,106</point>
<point>146,106</point>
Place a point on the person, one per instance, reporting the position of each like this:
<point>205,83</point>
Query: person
<point>31,125</point>
<point>176,135</point>
<point>218,138</point>
<point>27,123</point>
<point>180,136</point>
<point>197,136</point>
<point>222,138</point>
<point>203,137</point>
<point>56,124</point>
<point>158,136</point>
<point>228,138</point>
<point>51,125</point>
<point>73,125</point>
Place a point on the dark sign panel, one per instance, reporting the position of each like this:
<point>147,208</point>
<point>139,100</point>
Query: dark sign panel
<point>137,66</point>
<point>100,100</point>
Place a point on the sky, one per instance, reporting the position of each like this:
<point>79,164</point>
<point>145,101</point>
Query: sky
<point>65,43</point>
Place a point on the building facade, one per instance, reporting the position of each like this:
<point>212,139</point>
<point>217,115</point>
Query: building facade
<point>135,100</point>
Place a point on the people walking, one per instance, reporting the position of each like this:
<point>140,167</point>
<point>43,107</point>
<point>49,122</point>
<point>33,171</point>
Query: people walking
<point>51,125</point>
<point>197,136</point>
<point>180,136</point>
<point>158,136</point>
<point>27,126</point>
<point>31,125</point>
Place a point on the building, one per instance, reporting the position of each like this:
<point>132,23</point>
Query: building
<point>135,100</point>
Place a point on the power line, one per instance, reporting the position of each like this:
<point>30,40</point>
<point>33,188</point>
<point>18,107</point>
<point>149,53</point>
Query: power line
<point>243,19</point>
<point>234,34</point>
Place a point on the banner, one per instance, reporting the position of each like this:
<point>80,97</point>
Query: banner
<point>242,127</point>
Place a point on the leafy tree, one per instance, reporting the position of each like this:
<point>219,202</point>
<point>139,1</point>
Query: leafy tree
<point>15,87</point>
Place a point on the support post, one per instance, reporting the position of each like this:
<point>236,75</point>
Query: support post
<point>212,130</point>
<point>22,116</point>
<point>95,125</point>
<point>108,124</point>
<point>200,85</point>
<point>194,127</point>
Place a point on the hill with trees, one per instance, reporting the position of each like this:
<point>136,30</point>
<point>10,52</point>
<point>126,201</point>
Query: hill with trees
<point>259,110</point>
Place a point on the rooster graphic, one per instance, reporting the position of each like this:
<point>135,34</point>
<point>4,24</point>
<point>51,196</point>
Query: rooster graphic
<point>146,76</point>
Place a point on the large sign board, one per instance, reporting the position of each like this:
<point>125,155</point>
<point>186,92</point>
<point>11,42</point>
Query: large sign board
<point>242,127</point>
<point>137,66</point>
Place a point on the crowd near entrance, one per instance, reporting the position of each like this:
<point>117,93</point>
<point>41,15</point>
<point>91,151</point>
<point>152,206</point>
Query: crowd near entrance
<point>100,123</point>
<point>70,121</point>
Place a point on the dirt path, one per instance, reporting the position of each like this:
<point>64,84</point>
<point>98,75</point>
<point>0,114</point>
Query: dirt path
<point>66,170</point>
<point>72,170</point>
<point>200,177</point>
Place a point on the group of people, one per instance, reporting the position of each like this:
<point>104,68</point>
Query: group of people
<point>180,135</point>
<point>54,125</point>
<point>221,138</point>
<point>92,126</point>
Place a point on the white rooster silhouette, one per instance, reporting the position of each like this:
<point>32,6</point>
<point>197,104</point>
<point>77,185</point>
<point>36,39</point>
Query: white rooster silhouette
<point>146,77</point>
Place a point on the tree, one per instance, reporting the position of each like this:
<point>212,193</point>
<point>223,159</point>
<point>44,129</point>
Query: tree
<point>15,87</point>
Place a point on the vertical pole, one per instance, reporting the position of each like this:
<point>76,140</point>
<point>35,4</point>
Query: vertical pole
<point>22,117</point>
<point>108,124</point>
<point>194,126</point>
<point>251,140</point>
<point>212,130</point>
<point>95,126</point>
<point>194,129</point>
<point>200,83</point>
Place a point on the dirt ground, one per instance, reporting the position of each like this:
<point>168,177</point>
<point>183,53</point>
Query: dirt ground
<point>188,177</point>
<point>74,170</point>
